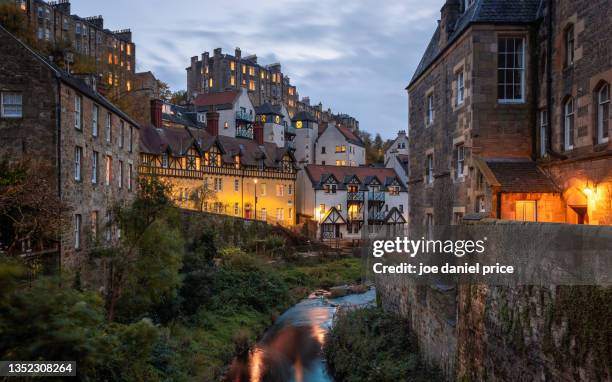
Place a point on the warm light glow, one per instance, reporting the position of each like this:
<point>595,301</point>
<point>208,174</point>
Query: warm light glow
<point>298,125</point>
<point>587,191</point>
<point>255,181</point>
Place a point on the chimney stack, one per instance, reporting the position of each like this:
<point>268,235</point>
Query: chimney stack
<point>212,122</point>
<point>258,132</point>
<point>237,53</point>
<point>156,113</point>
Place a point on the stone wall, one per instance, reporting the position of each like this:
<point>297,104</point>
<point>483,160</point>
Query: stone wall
<point>499,333</point>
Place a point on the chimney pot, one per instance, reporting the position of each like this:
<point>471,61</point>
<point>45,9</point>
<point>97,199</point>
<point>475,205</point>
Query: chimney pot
<point>156,113</point>
<point>212,122</point>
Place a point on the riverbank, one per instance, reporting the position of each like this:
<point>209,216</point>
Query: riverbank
<point>253,297</point>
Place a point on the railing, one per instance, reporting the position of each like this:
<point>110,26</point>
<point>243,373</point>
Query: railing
<point>357,216</point>
<point>225,170</point>
<point>244,116</point>
<point>290,130</point>
<point>355,196</point>
<point>376,196</point>
<point>166,171</point>
<point>244,133</point>
<point>377,215</point>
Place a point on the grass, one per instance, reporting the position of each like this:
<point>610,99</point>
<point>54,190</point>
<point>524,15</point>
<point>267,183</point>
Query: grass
<point>207,341</point>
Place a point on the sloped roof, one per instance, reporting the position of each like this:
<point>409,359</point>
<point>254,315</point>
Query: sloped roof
<point>346,133</point>
<point>319,173</point>
<point>303,115</point>
<point>182,116</point>
<point>482,12</point>
<point>267,108</point>
<point>216,98</point>
<point>76,83</point>
<point>514,176</point>
<point>156,141</point>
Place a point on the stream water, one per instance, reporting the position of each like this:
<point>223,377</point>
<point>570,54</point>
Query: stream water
<point>290,351</point>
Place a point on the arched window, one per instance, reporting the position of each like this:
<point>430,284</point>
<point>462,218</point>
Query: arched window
<point>226,125</point>
<point>569,46</point>
<point>568,124</point>
<point>603,113</point>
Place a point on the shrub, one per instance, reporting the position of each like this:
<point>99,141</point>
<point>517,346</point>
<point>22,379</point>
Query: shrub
<point>370,345</point>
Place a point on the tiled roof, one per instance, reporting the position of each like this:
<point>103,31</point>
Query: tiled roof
<point>520,176</point>
<point>345,131</point>
<point>216,98</point>
<point>319,173</point>
<point>268,108</point>
<point>303,116</point>
<point>182,116</point>
<point>483,12</point>
<point>177,141</point>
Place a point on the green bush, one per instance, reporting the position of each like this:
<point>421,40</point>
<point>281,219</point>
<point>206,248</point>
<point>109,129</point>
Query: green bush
<point>369,345</point>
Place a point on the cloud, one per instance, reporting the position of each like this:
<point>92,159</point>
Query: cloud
<point>355,56</point>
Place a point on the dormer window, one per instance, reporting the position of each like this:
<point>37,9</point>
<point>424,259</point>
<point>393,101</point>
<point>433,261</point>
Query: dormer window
<point>277,120</point>
<point>330,188</point>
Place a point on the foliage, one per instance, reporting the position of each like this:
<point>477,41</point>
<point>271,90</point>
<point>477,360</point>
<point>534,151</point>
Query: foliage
<point>375,148</point>
<point>50,321</point>
<point>324,274</point>
<point>179,97</point>
<point>15,21</point>
<point>370,345</point>
<point>30,208</point>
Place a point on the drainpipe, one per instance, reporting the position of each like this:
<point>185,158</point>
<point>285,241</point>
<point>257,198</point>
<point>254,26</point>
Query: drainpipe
<point>58,119</point>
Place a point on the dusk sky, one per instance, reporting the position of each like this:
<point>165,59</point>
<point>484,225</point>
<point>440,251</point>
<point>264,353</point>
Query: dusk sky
<point>353,56</point>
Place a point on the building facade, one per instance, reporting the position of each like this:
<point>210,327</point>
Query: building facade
<point>338,145</point>
<point>475,107</point>
<point>243,177</point>
<point>50,115</point>
<point>351,203</point>
<point>397,158</point>
<point>109,54</point>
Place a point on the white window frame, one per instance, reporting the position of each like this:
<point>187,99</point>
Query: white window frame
<point>130,175</point>
<point>506,68</point>
<point>78,112</point>
<point>568,124</point>
<point>569,38</point>
<point>164,160</point>
<point>460,88</point>
<point>109,127</point>
<point>18,113</point>
<point>120,175</point>
<point>94,167</point>
<point>121,133</point>
<point>603,114</point>
<point>78,163</point>
<point>236,185</point>
<point>429,169</point>
<point>131,139</point>
<point>460,161</point>
<point>95,116</point>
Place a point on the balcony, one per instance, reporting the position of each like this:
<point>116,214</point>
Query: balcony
<point>355,216</point>
<point>243,115</point>
<point>244,133</point>
<point>354,196</point>
<point>290,130</point>
<point>377,215</point>
<point>376,196</point>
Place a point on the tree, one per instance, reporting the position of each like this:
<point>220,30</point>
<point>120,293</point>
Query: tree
<point>15,21</point>
<point>179,97</point>
<point>201,196</point>
<point>164,91</point>
<point>31,212</point>
<point>150,243</point>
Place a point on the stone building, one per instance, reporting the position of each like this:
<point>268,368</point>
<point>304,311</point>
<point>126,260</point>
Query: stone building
<point>249,178</point>
<point>92,146</point>
<point>477,101</point>
<point>221,72</point>
<point>111,54</point>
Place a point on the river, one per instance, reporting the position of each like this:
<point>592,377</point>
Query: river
<point>290,350</point>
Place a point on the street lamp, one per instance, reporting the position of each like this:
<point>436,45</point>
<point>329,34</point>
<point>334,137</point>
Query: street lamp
<point>255,181</point>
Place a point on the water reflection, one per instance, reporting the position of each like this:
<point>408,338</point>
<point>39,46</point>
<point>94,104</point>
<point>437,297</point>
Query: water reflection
<point>290,350</point>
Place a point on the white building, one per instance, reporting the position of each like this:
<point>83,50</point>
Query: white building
<point>396,156</point>
<point>338,145</point>
<point>276,124</point>
<point>306,134</point>
<point>342,199</point>
<point>236,112</point>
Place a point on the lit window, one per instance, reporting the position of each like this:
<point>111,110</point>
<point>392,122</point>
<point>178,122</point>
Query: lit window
<point>526,210</point>
<point>110,58</point>
<point>251,85</point>
<point>603,113</point>
<point>510,69</point>
<point>78,159</point>
<point>232,65</point>
<point>430,109</point>
<point>12,105</point>
<point>543,127</point>
<point>280,190</point>
<point>244,69</point>
<point>460,88</point>
<point>429,169</point>
<point>569,46</point>
<point>568,124</point>
<point>251,71</point>
<point>226,125</point>
<point>210,82</point>
<point>129,86</point>
<point>232,80</point>
<point>298,125</point>
<point>109,170</point>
